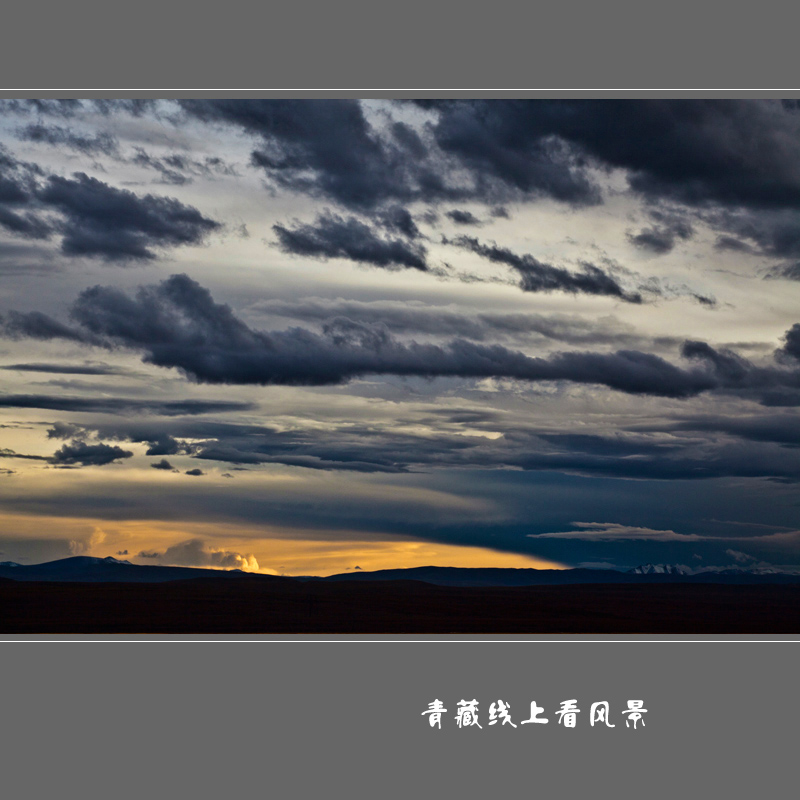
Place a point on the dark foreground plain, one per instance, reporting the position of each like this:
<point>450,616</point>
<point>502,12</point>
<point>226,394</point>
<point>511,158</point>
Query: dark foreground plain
<point>262,605</point>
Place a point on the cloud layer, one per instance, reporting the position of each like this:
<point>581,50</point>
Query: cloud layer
<point>465,321</point>
<point>91,217</point>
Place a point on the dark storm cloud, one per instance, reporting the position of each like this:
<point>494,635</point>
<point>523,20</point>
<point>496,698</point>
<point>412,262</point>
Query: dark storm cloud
<point>332,236</point>
<point>382,449</point>
<point>661,239</point>
<point>79,452</point>
<point>163,464</point>
<point>101,143</point>
<point>461,217</point>
<point>159,441</point>
<point>351,448</point>
<point>790,271</point>
<point>195,472</point>
<point>791,347</point>
<point>118,225</point>
<point>736,375</point>
<point>732,367</point>
<point>731,152</point>
<point>18,213</point>
<point>67,369</point>
<point>387,451</point>
<point>326,453</point>
<point>782,429</point>
<point>774,233</point>
<point>648,457</point>
<point>735,163</point>
<point>91,217</point>
<point>780,398</point>
<point>705,300</point>
<point>177,324</point>
<point>399,220</point>
<point>701,153</point>
<point>409,140</point>
<point>767,448</point>
<point>734,372</point>
<point>65,430</point>
<point>536,276</point>
<point>324,147</point>
<point>328,148</point>
<point>498,144</point>
<point>733,244</point>
<point>615,446</point>
<point>25,224</point>
<point>156,435</point>
<point>437,321</point>
<point>164,446</point>
<point>109,405</point>
<point>35,325</point>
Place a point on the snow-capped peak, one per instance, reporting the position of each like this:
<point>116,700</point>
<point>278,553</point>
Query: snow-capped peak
<point>660,569</point>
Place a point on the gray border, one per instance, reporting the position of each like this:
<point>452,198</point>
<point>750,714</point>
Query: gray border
<point>402,638</point>
<point>398,94</point>
<point>132,720</point>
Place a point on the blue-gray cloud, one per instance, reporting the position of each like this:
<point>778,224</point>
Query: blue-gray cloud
<point>333,236</point>
<point>81,453</point>
<point>93,218</point>
<point>537,276</point>
<point>177,323</point>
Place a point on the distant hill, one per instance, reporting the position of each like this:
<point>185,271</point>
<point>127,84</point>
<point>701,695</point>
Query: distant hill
<point>494,576</point>
<point>89,569</point>
<point>485,576</point>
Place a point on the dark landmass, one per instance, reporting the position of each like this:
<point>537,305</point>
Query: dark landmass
<point>89,569</point>
<point>252,604</point>
<point>85,595</point>
<point>498,576</point>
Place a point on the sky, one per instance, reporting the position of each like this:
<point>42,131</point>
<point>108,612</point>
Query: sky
<point>307,336</point>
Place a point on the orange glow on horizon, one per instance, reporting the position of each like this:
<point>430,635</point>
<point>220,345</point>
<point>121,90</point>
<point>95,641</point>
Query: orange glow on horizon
<point>277,552</point>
